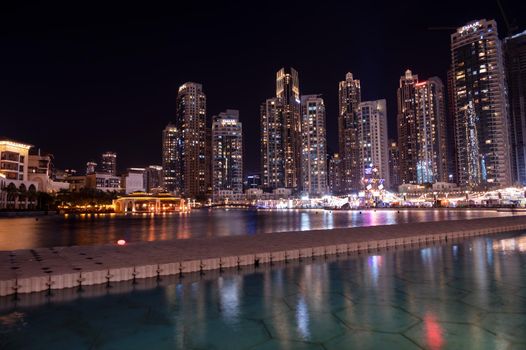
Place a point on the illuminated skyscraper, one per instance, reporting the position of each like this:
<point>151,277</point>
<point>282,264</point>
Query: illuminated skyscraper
<point>109,163</point>
<point>450,128</point>
<point>191,124</point>
<point>314,150</point>
<point>272,153</point>
<point>349,92</point>
<point>394,164</point>
<point>171,160</point>
<point>227,153</point>
<point>288,94</point>
<point>335,175</point>
<point>481,118</point>
<point>515,48</point>
<point>281,134</point>
<point>422,135</point>
<point>372,138</point>
<point>407,127</point>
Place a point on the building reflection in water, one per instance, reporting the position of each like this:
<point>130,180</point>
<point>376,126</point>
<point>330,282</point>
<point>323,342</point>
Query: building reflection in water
<point>379,292</point>
<point>89,229</point>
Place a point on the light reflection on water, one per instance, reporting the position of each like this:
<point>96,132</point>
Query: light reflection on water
<point>432,297</point>
<point>19,233</point>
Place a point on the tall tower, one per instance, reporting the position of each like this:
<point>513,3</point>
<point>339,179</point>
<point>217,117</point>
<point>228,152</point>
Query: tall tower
<point>314,150</point>
<point>171,159</point>
<point>515,49</point>
<point>431,165</point>
<point>288,94</point>
<point>349,92</point>
<point>407,127</point>
<point>191,124</point>
<point>227,153</point>
<point>272,145</point>
<point>335,175</point>
<point>394,164</point>
<point>372,138</point>
<point>481,118</point>
<point>109,163</point>
<point>422,135</point>
<point>450,128</point>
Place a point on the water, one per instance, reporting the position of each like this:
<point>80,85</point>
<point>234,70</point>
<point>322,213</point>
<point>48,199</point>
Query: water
<point>25,233</point>
<point>469,295</point>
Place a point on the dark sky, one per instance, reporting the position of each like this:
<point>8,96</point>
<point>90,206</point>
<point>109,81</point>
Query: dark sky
<point>79,78</point>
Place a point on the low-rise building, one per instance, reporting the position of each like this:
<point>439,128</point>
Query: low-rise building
<point>133,180</point>
<point>103,182</point>
<point>16,190</point>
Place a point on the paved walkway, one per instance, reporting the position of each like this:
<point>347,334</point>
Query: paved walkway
<point>26,271</point>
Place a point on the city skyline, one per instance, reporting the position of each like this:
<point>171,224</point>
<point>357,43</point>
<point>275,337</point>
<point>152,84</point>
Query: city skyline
<point>102,107</point>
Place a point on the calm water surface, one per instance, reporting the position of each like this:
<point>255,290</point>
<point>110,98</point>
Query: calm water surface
<point>20,233</point>
<point>470,295</point>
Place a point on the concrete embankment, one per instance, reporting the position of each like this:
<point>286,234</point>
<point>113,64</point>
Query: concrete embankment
<point>35,270</point>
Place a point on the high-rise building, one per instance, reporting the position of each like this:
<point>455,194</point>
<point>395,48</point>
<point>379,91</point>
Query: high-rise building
<point>91,168</point>
<point>450,128</point>
<point>191,124</point>
<point>481,118</point>
<point>349,92</point>
<point>335,175</point>
<point>171,180</point>
<point>407,127</point>
<point>227,153</point>
<point>431,155</point>
<point>272,152</point>
<point>314,148</point>
<point>394,164</point>
<point>281,134</point>
<point>153,178</point>
<point>109,163</point>
<point>422,135</point>
<point>372,138</point>
<point>288,94</point>
<point>515,49</point>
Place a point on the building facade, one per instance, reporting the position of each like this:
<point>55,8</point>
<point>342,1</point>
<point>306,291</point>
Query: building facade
<point>349,97</point>
<point>336,186</point>
<point>288,94</point>
<point>171,159</point>
<point>91,168</point>
<point>191,124</point>
<point>227,154</point>
<point>153,178</point>
<point>481,117</point>
<point>314,146</point>
<point>372,138</point>
<point>272,145</point>
<point>515,50</point>
<point>133,180</point>
<point>422,138</point>
<point>394,164</point>
<point>109,163</point>
<point>16,190</point>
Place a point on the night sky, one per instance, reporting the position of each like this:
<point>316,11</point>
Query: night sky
<point>77,80</point>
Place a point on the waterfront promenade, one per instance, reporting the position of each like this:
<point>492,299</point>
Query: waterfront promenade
<point>35,270</point>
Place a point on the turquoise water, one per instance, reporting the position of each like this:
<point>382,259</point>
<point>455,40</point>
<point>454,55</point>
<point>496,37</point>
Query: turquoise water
<point>467,295</point>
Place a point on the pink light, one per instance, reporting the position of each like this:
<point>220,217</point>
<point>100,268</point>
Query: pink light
<point>434,337</point>
<point>121,242</point>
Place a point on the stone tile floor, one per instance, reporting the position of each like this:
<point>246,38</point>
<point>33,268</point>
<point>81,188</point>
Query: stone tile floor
<point>468,295</point>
